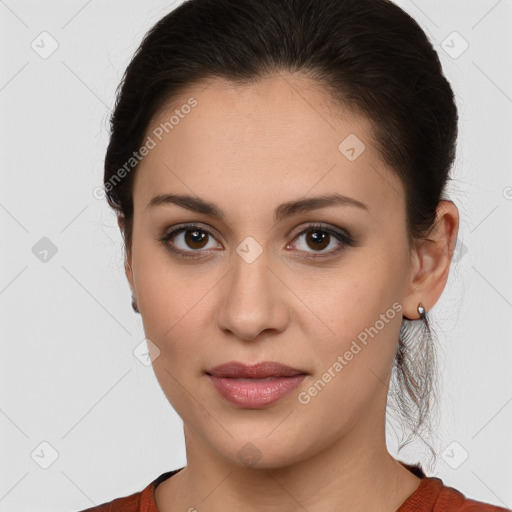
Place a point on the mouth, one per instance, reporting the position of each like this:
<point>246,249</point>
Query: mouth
<point>263,370</point>
<point>255,386</point>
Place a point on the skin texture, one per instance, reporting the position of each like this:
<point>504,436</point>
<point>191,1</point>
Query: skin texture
<point>248,149</point>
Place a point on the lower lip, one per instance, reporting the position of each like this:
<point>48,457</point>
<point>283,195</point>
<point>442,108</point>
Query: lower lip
<point>255,393</point>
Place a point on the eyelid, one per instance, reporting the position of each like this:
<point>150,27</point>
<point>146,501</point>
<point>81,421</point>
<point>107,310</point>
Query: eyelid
<point>190,226</point>
<point>321,226</point>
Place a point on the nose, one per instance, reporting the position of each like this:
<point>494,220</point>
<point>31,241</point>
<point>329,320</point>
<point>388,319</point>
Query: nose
<point>253,299</point>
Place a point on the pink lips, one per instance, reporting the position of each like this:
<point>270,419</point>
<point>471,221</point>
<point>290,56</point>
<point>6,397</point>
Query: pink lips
<point>255,386</point>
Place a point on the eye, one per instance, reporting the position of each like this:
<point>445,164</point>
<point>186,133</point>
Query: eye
<point>188,239</point>
<point>191,240</point>
<point>318,238</point>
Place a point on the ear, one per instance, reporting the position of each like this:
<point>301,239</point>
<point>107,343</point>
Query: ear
<point>128,257</point>
<point>431,261</point>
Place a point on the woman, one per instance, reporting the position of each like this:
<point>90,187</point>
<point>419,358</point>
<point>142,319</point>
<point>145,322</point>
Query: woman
<point>279,169</point>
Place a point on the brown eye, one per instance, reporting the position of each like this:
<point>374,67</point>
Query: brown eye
<point>195,239</point>
<point>318,240</point>
<point>313,241</point>
<point>190,241</point>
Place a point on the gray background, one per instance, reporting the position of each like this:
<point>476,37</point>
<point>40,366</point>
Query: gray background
<point>69,377</point>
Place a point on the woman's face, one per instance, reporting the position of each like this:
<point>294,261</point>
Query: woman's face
<point>258,282</point>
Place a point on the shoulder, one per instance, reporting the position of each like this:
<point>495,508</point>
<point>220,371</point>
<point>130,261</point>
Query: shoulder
<point>451,499</point>
<point>136,502</point>
<point>142,501</point>
<point>432,495</point>
<point>130,503</point>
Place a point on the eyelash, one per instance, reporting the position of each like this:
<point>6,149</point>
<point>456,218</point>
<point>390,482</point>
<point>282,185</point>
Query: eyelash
<point>345,239</point>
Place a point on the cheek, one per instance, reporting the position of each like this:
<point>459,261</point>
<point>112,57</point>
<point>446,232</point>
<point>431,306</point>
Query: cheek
<point>340,305</point>
<point>353,365</point>
<point>172,303</point>
<point>172,298</point>
<point>360,317</point>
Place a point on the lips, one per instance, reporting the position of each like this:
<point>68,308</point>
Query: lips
<point>255,386</point>
<point>237,370</point>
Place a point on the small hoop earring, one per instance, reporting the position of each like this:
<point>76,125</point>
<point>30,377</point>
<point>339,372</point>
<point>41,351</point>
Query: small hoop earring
<point>421,310</point>
<point>134,305</point>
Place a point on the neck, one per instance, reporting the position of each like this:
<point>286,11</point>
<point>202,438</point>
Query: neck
<point>356,473</point>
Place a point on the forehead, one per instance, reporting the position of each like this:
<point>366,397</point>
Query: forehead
<point>278,136</point>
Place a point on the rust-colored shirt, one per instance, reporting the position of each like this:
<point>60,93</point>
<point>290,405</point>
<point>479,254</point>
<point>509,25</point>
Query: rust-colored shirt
<point>430,496</point>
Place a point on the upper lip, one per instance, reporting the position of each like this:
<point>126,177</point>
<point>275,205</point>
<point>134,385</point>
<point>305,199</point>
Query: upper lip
<point>235,369</point>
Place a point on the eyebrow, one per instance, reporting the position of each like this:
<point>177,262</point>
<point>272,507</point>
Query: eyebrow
<point>284,210</point>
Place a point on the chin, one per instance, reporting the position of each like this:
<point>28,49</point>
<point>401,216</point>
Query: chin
<point>262,452</point>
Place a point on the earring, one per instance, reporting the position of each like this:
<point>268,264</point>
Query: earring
<point>421,310</point>
<point>134,305</point>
